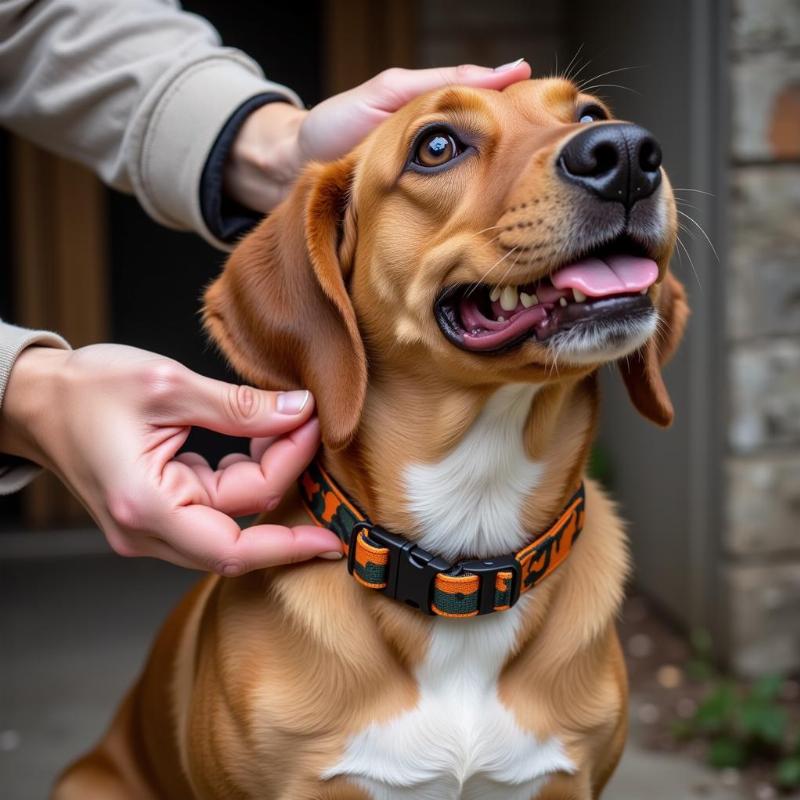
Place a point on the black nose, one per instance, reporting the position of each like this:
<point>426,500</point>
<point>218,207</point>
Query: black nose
<point>616,161</point>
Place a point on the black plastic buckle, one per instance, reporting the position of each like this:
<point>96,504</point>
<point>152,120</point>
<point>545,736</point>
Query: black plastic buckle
<point>488,569</point>
<point>411,570</point>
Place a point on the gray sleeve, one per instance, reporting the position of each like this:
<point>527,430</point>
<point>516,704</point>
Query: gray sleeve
<point>137,90</point>
<point>15,473</point>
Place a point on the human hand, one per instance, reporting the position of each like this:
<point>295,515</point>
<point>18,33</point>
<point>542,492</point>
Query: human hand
<point>277,139</point>
<point>109,420</point>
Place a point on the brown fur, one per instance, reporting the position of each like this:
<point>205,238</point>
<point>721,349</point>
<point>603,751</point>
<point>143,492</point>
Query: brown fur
<point>256,683</point>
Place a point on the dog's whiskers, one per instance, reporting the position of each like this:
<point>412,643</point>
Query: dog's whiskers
<point>701,229</point>
<point>473,286</point>
<point>585,83</point>
<point>592,89</point>
<point>583,66</point>
<point>686,250</point>
<point>490,228</point>
<point>566,75</point>
<point>685,189</point>
<point>687,204</point>
<point>486,274</point>
<point>491,241</point>
<point>510,268</point>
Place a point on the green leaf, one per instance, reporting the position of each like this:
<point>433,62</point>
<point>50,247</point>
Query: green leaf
<point>716,712</point>
<point>726,752</point>
<point>789,772</point>
<point>764,721</point>
<point>767,688</point>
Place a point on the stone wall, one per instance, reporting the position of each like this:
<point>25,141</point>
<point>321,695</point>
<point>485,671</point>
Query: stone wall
<point>762,532</point>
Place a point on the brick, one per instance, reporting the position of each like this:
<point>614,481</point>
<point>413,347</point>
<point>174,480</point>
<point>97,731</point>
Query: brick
<point>765,395</point>
<point>763,505</point>
<point>765,24</point>
<point>764,602</point>
<point>763,281</point>
<point>765,99</point>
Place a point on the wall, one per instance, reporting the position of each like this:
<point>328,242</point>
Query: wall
<point>762,530</point>
<point>488,33</point>
<point>714,504</point>
<point>667,482</point>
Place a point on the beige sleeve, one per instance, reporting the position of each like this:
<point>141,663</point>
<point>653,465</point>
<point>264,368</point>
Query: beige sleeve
<point>137,90</point>
<point>14,474</point>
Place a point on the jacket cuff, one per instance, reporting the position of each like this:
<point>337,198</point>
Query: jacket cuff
<point>226,219</point>
<point>185,121</point>
<point>16,472</point>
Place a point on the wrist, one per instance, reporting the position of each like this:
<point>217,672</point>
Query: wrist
<point>266,156</point>
<point>31,397</point>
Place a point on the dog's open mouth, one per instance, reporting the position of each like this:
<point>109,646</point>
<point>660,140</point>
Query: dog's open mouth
<point>487,318</point>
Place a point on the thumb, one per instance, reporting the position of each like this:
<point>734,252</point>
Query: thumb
<point>237,410</point>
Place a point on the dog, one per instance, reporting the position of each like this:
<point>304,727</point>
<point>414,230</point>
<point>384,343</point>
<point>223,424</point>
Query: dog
<point>448,292</point>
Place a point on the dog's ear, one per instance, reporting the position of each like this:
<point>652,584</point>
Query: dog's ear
<point>641,371</point>
<point>280,311</point>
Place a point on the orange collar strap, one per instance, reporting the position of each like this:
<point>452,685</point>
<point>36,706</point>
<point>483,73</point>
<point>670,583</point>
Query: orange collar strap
<point>400,569</point>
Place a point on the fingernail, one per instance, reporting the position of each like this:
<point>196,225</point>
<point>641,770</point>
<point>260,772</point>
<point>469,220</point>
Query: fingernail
<point>334,555</point>
<point>511,65</point>
<point>231,569</point>
<point>292,402</point>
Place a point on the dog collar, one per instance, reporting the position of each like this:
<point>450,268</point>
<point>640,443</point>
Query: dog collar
<point>400,569</point>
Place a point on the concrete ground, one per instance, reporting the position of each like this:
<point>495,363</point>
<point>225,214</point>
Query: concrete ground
<point>75,626</point>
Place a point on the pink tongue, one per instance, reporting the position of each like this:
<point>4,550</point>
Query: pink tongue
<point>614,275</point>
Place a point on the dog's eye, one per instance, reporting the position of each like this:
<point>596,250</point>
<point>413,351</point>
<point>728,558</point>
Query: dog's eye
<point>437,148</point>
<point>591,114</point>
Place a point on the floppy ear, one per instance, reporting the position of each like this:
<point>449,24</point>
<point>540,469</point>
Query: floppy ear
<point>641,371</point>
<point>280,311</point>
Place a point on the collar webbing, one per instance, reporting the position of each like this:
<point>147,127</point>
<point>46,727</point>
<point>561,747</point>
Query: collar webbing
<point>402,570</point>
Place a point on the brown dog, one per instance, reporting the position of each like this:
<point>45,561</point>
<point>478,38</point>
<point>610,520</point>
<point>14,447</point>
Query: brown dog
<point>448,293</point>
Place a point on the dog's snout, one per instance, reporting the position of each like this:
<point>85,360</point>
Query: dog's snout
<point>619,162</point>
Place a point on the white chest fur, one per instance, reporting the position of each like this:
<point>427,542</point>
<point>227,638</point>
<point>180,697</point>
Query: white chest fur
<point>460,742</point>
<point>471,500</point>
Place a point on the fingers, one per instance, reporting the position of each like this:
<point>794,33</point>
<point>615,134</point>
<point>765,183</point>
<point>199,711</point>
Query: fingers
<point>189,514</point>
<point>283,461</point>
<point>259,445</point>
<point>193,459</point>
<point>187,398</point>
<point>232,458</point>
<point>211,540</point>
<point>241,485</point>
<point>393,88</point>
<point>339,123</point>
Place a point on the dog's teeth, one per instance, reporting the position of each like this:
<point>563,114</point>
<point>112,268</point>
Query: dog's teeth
<point>644,291</point>
<point>509,298</point>
<point>528,300</point>
<point>494,295</point>
<point>562,301</point>
<point>501,319</point>
<point>580,297</point>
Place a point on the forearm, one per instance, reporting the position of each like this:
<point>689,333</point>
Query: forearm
<point>141,91</point>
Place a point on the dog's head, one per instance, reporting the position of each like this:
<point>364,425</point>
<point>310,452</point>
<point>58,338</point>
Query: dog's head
<point>482,236</point>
